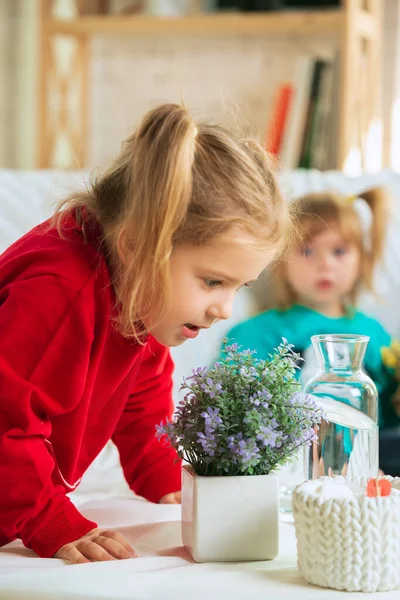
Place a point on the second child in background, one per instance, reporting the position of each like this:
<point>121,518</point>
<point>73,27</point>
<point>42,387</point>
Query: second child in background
<point>316,287</point>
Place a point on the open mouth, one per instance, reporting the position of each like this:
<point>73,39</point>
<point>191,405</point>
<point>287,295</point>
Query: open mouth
<point>190,331</point>
<point>192,327</point>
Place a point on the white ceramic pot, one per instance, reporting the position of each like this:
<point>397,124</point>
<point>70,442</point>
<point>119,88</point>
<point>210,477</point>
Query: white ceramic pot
<point>230,518</point>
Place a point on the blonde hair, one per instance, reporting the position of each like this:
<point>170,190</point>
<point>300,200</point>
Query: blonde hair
<point>316,213</point>
<point>175,182</point>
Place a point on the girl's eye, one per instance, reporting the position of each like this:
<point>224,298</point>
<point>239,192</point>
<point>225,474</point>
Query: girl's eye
<point>211,283</point>
<point>339,251</point>
<point>307,251</point>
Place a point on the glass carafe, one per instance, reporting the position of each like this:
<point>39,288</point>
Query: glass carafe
<point>347,442</point>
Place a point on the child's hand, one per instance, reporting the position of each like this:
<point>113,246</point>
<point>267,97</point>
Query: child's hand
<point>174,498</point>
<point>96,546</point>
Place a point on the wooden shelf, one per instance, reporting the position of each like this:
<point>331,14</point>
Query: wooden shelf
<point>300,23</point>
<point>355,28</point>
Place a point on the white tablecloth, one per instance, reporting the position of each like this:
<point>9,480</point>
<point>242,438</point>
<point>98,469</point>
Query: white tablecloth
<point>164,570</point>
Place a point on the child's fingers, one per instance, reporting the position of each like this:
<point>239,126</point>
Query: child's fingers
<point>71,554</point>
<point>118,537</point>
<point>94,552</point>
<point>97,546</point>
<point>114,548</point>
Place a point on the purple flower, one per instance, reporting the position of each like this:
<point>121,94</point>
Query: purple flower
<point>165,430</point>
<point>210,413</point>
<point>211,388</point>
<point>207,442</point>
<point>231,442</point>
<point>159,431</point>
<point>261,397</point>
<point>212,419</point>
<point>267,436</point>
<point>199,371</point>
<point>196,376</point>
<point>232,348</point>
<point>243,451</point>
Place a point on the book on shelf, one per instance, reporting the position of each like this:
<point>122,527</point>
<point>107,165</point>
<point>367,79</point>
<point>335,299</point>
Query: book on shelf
<point>292,141</point>
<point>308,126</point>
<point>278,119</point>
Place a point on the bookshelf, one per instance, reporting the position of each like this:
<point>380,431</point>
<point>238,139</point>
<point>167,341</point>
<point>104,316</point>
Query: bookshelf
<point>202,24</point>
<point>355,26</point>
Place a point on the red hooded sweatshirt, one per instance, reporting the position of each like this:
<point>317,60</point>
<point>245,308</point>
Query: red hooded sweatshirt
<point>69,382</point>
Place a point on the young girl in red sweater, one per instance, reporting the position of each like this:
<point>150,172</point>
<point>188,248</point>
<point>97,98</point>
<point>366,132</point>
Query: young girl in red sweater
<point>91,300</point>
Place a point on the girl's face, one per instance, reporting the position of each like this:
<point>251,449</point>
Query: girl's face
<point>204,282</point>
<point>323,272</point>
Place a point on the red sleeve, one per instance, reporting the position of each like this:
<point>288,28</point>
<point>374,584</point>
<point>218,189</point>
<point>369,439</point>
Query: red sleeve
<point>151,468</point>
<point>40,319</point>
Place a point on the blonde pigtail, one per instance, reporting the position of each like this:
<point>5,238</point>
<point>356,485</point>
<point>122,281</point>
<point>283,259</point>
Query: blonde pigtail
<point>378,201</point>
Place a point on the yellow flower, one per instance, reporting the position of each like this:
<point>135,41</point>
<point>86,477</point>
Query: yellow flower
<point>389,357</point>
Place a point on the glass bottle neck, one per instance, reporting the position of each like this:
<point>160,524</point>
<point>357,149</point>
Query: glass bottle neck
<point>342,353</point>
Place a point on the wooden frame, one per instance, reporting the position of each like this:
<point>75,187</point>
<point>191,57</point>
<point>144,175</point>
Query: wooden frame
<point>360,93</point>
<point>356,25</point>
<point>63,97</point>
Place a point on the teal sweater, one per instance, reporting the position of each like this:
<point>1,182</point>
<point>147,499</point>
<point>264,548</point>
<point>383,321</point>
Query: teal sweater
<point>264,332</point>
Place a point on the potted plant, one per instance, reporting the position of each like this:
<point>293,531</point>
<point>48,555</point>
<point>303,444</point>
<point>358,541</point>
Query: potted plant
<point>240,420</point>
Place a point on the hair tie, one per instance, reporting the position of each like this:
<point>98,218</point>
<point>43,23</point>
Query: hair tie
<point>364,213</point>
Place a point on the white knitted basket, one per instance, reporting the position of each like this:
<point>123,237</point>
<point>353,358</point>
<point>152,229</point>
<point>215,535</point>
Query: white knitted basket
<point>347,541</point>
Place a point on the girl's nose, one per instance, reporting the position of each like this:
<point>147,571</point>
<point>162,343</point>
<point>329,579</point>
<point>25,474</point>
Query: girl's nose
<point>221,311</point>
<point>325,260</point>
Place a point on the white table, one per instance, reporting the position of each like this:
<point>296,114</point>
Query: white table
<point>164,570</point>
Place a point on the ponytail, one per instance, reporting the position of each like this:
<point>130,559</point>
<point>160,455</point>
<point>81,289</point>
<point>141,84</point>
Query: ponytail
<point>163,155</point>
<point>377,200</point>
<point>157,199</point>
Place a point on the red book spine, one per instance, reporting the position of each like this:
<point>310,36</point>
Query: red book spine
<point>278,119</point>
